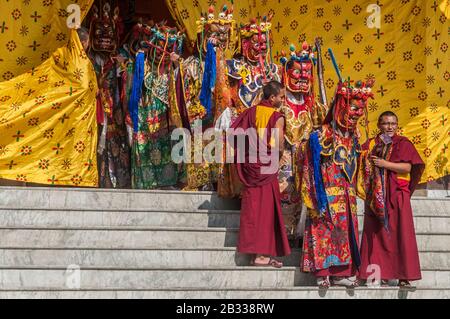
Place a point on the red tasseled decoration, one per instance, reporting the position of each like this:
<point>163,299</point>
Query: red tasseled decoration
<point>305,45</point>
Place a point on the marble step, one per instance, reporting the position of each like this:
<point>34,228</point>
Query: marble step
<point>154,258</point>
<point>110,278</point>
<point>258,294</point>
<point>153,237</point>
<point>105,199</point>
<point>95,218</point>
<point>213,277</point>
<point>125,237</point>
<point>199,218</point>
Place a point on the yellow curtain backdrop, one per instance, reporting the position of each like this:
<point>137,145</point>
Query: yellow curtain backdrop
<point>407,57</point>
<point>48,123</point>
<point>31,30</point>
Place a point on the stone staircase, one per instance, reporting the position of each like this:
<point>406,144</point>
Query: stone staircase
<point>89,243</point>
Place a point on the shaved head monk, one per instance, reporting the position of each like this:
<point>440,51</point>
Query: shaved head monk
<point>389,241</point>
<point>262,231</point>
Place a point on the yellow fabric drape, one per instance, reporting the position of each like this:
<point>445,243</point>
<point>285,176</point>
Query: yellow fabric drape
<point>31,30</point>
<point>407,56</point>
<point>48,128</point>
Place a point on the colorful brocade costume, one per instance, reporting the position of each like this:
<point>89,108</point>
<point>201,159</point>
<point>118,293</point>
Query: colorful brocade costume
<point>247,75</point>
<point>205,97</point>
<point>247,80</point>
<point>302,113</point>
<point>150,111</point>
<point>329,187</point>
<point>113,147</point>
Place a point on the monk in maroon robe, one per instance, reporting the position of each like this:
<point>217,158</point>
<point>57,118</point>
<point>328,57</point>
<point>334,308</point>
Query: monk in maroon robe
<point>262,230</point>
<point>389,239</point>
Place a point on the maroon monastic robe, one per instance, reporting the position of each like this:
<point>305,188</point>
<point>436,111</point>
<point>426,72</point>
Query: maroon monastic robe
<point>395,249</point>
<point>262,229</point>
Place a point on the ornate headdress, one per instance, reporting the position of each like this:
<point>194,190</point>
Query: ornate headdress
<point>361,90</point>
<point>250,29</point>
<point>256,49</point>
<point>349,102</point>
<point>138,36</point>
<point>298,69</point>
<point>298,56</point>
<point>222,28</point>
<point>104,29</point>
<point>167,38</point>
